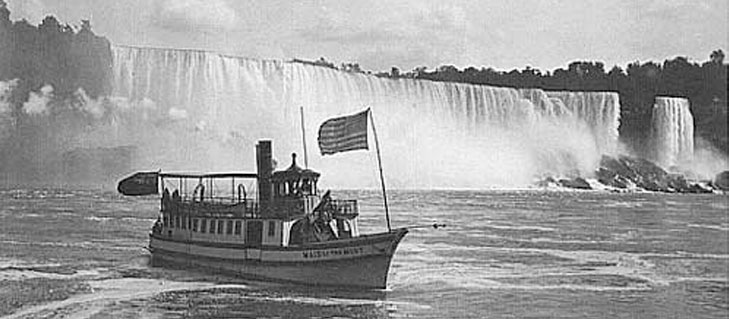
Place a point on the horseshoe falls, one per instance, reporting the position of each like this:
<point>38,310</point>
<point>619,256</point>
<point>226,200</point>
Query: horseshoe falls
<point>202,111</point>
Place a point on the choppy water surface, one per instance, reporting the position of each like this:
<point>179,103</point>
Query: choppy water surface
<point>504,254</point>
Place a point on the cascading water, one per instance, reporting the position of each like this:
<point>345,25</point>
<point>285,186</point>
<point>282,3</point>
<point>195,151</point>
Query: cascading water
<point>204,111</point>
<point>672,131</point>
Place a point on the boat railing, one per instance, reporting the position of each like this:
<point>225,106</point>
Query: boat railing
<point>290,207</point>
<point>344,207</point>
<point>215,206</point>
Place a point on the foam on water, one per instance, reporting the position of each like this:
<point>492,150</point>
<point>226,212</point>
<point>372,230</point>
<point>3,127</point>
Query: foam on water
<point>721,227</point>
<point>547,252</point>
<point>107,292</point>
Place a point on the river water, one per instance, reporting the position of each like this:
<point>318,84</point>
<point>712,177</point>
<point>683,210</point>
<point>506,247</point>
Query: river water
<point>504,254</point>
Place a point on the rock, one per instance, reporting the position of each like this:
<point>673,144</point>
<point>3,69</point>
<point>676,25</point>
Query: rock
<point>721,181</point>
<point>700,188</point>
<point>546,182</point>
<point>616,167</point>
<point>610,178</point>
<point>645,174</point>
<point>577,182</point>
<point>678,183</point>
<point>627,172</point>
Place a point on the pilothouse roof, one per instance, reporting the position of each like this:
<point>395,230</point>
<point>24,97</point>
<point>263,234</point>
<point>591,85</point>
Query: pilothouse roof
<point>295,172</point>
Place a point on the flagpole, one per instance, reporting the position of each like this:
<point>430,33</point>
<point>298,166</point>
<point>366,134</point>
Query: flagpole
<point>382,176</point>
<point>303,138</point>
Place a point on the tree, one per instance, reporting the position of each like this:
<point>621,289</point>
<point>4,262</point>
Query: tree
<point>5,22</point>
<point>717,57</point>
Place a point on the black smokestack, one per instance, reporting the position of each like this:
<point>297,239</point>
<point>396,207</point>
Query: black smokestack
<point>264,162</point>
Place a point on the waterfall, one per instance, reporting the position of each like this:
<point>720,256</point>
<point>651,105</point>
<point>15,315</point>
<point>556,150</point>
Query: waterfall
<point>198,110</point>
<point>672,131</point>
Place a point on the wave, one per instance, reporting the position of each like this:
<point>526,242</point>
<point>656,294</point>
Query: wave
<point>721,227</point>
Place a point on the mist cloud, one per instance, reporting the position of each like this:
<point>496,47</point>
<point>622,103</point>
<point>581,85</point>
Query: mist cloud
<point>31,10</point>
<point>193,15</point>
<point>5,89</point>
<point>38,101</point>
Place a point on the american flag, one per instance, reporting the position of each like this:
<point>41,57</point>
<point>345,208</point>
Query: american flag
<point>346,133</point>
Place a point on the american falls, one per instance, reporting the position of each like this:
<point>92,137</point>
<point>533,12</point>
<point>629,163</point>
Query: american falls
<point>195,110</point>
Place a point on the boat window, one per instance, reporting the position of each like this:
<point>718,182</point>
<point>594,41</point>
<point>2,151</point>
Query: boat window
<point>177,221</point>
<point>271,228</point>
<point>212,226</point>
<point>237,227</point>
<point>229,229</point>
<point>203,225</point>
<point>194,224</point>
<point>254,232</point>
<point>184,222</point>
<point>220,227</point>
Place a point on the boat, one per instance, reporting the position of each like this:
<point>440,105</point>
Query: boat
<point>286,230</point>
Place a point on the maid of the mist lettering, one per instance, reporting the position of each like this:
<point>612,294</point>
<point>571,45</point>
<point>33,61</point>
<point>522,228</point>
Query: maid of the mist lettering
<point>333,252</point>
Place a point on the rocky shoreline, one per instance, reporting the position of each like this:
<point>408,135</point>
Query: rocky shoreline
<point>629,173</point>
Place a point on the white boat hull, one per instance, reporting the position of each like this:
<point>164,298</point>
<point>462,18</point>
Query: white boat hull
<point>361,262</point>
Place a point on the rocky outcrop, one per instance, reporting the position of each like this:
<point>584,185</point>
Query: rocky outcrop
<point>629,172</point>
<point>721,181</point>
<point>577,183</point>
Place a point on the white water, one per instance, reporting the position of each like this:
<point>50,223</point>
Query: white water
<point>204,111</point>
<point>672,131</point>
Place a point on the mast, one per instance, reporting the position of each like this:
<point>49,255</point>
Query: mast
<point>382,176</point>
<point>303,138</point>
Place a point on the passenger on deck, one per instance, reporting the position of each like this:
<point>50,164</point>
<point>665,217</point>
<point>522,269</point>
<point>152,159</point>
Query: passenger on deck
<point>306,188</point>
<point>165,199</point>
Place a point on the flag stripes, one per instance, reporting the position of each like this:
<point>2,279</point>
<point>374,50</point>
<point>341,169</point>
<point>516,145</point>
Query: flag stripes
<point>346,133</point>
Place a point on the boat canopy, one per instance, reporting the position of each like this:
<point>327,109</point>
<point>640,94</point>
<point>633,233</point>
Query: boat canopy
<point>211,175</point>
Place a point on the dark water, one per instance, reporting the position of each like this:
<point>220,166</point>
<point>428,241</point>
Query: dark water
<point>505,254</point>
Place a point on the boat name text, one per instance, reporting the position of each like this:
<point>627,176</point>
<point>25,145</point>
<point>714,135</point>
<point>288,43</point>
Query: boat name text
<point>333,252</point>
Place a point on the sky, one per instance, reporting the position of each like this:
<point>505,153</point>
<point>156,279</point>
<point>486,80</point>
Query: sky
<point>380,34</point>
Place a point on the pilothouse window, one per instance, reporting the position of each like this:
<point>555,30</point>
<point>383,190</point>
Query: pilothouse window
<point>203,225</point>
<point>271,228</point>
<point>237,227</point>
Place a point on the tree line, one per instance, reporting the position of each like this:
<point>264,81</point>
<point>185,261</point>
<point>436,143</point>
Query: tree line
<point>66,57</point>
